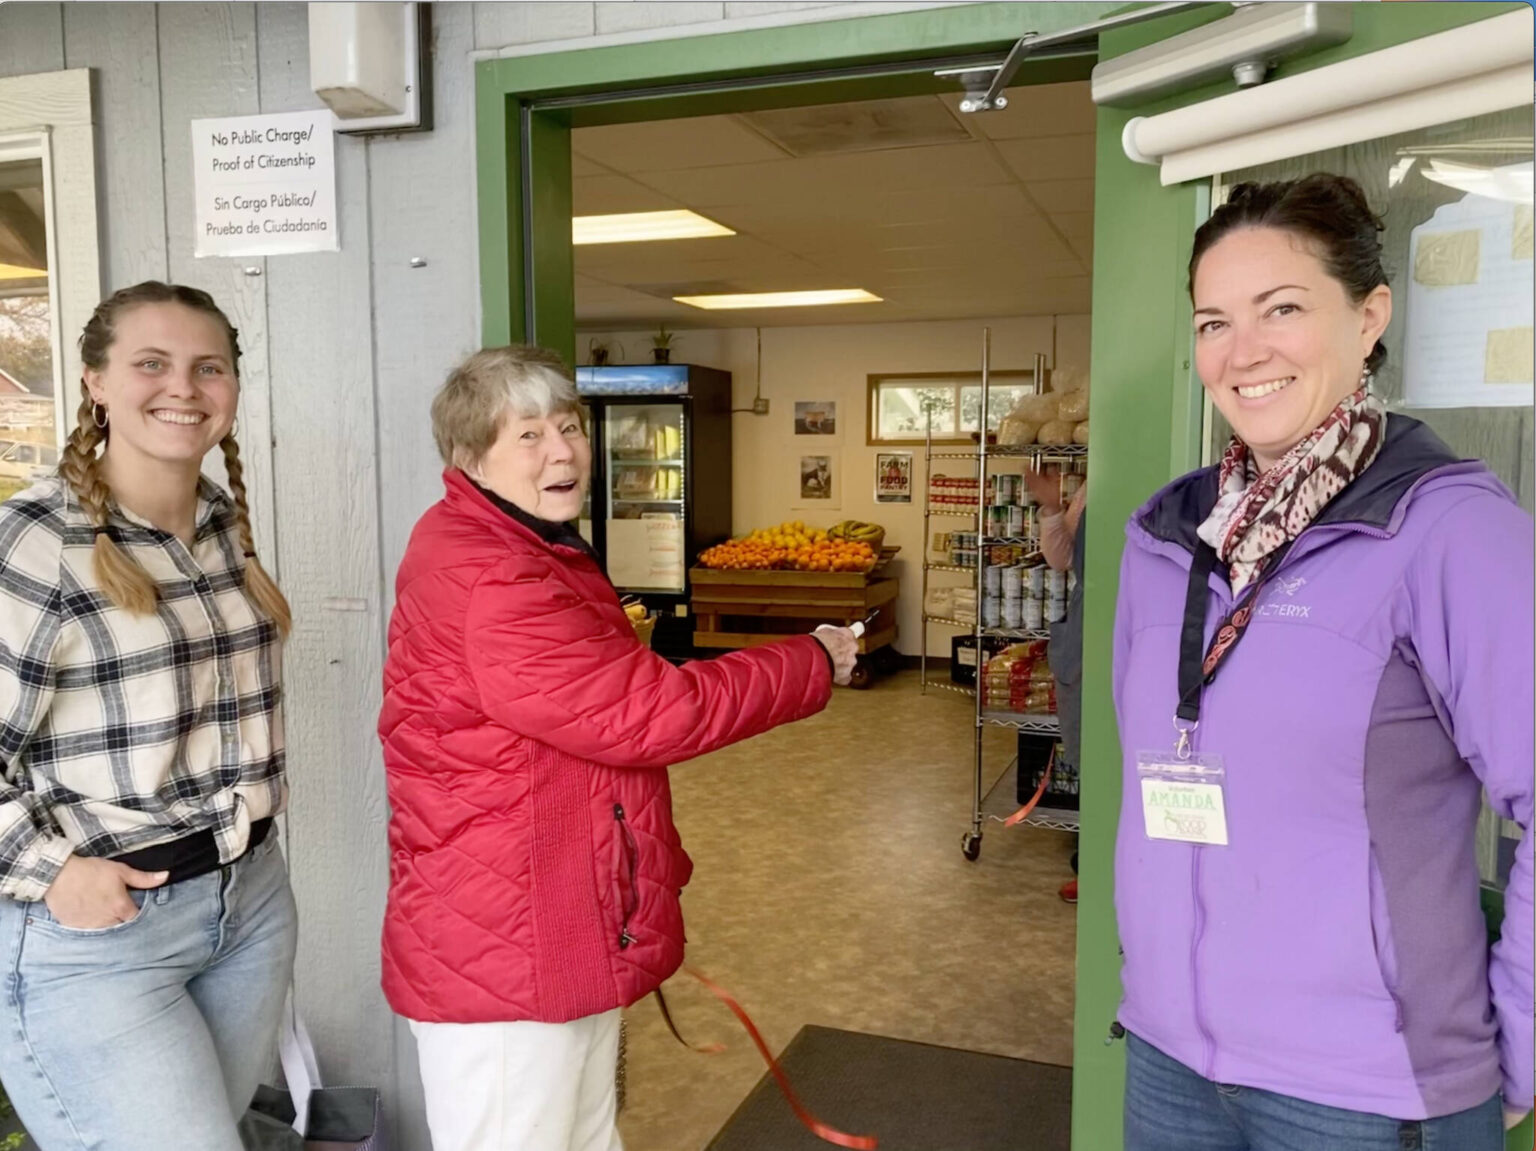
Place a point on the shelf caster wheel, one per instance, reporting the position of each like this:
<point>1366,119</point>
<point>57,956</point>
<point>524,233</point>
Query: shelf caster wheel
<point>970,846</point>
<point>862,677</point>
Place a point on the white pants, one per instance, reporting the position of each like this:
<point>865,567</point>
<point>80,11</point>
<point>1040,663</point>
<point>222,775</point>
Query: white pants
<point>521,1086</point>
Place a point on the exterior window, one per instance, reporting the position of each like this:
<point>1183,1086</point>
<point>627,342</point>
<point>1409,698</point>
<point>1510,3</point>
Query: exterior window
<point>29,431</point>
<point>900,407</point>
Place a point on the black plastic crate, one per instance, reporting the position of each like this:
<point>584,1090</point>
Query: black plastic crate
<point>1035,755</point>
<point>962,656</point>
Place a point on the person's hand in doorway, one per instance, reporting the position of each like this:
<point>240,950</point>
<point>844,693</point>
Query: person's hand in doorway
<point>843,648</point>
<point>1046,488</point>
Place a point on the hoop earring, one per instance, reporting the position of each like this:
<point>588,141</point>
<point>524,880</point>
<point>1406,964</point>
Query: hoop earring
<point>234,428</point>
<point>99,414</point>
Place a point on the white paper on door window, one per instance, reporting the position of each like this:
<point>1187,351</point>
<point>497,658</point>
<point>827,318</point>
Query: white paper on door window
<point>1469,301</point>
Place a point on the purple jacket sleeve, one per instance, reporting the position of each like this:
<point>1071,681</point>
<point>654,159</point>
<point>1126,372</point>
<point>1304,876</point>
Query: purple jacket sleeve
<point>1471,588</point>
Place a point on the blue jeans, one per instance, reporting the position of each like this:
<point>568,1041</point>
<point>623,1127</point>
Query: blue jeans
<point>1168,1107</point>
<point>153,1034</point>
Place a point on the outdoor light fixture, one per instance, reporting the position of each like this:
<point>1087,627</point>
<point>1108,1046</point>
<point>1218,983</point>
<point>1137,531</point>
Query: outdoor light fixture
<point>782,299</point>
<point>637,227</point>
<point>372,64</point>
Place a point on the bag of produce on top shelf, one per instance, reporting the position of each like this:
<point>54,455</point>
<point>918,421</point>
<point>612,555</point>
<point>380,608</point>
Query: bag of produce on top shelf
<point>1056,432</point>
<point>1016,431</point>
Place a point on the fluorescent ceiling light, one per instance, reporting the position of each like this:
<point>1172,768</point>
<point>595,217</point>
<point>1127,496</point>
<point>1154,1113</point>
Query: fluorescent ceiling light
<point>782,299</point>
<point>634,227</point>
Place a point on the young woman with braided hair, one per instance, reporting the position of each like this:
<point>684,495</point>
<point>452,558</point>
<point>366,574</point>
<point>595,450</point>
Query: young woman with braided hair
<point>146,919</point>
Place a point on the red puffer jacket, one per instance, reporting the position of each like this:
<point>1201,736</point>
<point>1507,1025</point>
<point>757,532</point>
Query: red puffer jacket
<point>534,867</point>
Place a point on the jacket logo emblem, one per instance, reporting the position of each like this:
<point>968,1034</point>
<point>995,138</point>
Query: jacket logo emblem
<point>1290,585</point>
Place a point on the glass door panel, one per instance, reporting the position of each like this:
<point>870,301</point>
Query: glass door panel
<point>645,463</point>
<point>1456,199</point>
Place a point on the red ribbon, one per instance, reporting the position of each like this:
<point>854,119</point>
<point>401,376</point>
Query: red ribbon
<point>1023,813</point>
<point>815,1126</point>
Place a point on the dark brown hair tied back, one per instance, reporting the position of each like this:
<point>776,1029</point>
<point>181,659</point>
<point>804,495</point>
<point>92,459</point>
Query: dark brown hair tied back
<point>1331,212</point>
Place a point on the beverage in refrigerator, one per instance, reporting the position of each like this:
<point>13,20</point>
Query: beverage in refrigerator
<point>661,484</point>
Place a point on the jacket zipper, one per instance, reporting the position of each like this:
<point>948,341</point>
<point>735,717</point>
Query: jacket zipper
<point>630,898</point>
<point>1207,1041</point>
<point>1197,854</point>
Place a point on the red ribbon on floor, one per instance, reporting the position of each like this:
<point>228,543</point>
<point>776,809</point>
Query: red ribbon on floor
<point>1023,813</point>
<point>815,1126</point>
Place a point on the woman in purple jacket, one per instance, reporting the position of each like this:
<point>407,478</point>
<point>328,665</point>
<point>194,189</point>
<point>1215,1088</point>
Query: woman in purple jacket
<point>1323,656</point>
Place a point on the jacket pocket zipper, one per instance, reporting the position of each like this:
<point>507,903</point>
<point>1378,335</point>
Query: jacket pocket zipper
<point>629,896</point>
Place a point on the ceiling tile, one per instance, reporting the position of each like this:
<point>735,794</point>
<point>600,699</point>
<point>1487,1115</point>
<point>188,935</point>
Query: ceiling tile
<point>610,195</point>
<point>865,126</point>
<point>674,145</point>
<point>942,230</point>
<point>1050,157</point>
<point>1055,196</point>
<point>835,179</point>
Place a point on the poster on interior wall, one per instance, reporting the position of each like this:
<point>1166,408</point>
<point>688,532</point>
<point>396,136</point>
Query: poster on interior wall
<point>893,477</point>
<point>818,482</point>
<point>1467,341</point>
<point>265,185</point>
<point>815,417</point>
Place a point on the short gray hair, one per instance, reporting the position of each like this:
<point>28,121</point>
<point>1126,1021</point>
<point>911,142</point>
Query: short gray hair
<point>525,381</point>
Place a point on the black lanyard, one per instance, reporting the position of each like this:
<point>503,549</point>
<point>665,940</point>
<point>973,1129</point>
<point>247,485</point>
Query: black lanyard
<point>1197,669</point>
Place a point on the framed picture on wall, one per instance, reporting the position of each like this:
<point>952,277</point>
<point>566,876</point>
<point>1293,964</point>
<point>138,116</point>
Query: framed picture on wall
<point>893,477</point>
<point>818,481</point>
<point>815,417</point>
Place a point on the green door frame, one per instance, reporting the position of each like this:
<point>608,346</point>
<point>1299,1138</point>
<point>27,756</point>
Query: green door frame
<point>1141,363</point>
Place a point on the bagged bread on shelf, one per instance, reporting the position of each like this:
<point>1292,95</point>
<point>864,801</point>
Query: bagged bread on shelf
<point>1016,431</point>
<point>940,601</point>
<point>1069,378</point>
<point>1080,433</point>
<point>1036,409</point>
<point>1056,432</point>
<point>1074,406</point>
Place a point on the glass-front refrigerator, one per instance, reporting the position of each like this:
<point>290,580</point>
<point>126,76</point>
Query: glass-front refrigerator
<point>661,482</point>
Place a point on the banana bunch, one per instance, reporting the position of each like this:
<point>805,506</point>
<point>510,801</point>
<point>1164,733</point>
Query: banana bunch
<point>858,531</point>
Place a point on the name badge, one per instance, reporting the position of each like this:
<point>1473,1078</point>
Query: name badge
<point>1183,799</point>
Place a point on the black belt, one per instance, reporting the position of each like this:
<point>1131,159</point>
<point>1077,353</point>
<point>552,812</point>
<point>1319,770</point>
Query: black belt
<point>191,855</point>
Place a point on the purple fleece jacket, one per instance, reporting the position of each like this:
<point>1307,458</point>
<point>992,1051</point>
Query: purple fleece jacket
<point>1334,950</point>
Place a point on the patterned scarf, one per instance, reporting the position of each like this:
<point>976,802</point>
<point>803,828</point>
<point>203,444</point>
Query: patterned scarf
<point>1257,513</point>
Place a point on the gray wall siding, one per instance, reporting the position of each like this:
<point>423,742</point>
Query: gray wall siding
<point>341,354</point>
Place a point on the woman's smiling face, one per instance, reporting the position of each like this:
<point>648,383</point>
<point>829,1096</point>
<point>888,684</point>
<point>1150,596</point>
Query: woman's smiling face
<point>1278,341</point>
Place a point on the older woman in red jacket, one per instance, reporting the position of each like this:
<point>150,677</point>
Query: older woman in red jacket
<point>535,870</point>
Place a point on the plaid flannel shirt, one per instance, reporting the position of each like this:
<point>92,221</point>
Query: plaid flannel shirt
<point>118,731</point>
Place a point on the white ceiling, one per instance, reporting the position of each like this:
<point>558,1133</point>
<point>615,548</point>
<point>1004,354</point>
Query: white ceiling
<point>944,215</point>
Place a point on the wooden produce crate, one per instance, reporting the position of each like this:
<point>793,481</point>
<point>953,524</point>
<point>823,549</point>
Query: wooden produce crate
<point>736,609</point>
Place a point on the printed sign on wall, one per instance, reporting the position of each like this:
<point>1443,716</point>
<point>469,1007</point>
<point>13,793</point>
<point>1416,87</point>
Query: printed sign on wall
<point>265,184</point>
